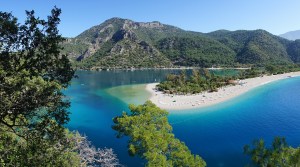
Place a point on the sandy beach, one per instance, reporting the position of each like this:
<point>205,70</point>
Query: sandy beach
<point>179,102</point>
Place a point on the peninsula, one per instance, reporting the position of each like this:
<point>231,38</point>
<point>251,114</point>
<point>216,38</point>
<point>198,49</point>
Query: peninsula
<point>204,99</point>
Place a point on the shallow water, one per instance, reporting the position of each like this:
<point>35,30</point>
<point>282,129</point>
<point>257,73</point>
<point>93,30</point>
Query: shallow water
<point>216,133</point>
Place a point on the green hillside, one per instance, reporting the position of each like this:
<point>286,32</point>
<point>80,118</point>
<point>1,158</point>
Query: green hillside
<point>294,50</point>
<point>122,43</point>
<point>254,47</point>
<point>196,51</point>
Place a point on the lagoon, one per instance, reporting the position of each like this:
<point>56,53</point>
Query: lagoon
<point>217,133</point>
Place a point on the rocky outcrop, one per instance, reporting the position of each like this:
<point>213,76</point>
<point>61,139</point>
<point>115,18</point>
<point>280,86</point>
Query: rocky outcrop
<point>114,30</point>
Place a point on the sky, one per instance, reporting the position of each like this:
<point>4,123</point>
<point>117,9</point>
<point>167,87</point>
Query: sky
<point>275,16</point>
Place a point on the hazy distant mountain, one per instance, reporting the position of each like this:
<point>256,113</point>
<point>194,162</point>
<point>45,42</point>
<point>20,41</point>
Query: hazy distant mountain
<point>292,35</point>
<point>123,43</point>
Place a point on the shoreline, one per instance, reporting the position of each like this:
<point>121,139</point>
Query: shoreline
<point>163,68</point>
<point>205,99</point>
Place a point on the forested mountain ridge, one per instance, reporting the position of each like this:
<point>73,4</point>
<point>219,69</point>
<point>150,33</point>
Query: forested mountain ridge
<point>254,47</point>
<point>123,43</point>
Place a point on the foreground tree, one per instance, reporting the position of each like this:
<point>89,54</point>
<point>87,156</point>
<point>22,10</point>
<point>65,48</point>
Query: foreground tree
<point>32,75</point>
<point>74,150</point>
<point>151,137</point>
<point>33,110</point>
<point>279,155</point>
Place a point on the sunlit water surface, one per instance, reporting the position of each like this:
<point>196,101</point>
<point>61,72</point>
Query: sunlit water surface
<point>218,133</point>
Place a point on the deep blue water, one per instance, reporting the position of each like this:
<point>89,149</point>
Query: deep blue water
<point>216,133</point>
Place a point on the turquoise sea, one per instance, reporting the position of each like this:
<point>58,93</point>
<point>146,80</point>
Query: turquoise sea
<point>216,133</point>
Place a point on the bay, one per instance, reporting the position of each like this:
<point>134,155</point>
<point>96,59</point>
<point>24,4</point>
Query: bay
<point>216,133</point>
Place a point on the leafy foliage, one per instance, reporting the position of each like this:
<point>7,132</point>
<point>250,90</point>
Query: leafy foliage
<point>151,137</point>
<point>33,110</point>
<point>19,152</point>
<point>32,73</point>
<point>198,82</point>
<point>70,150</point>
<point>278,155</point>
<point>280,69</point>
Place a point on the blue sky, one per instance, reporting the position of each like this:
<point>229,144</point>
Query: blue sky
<point>275,16</point>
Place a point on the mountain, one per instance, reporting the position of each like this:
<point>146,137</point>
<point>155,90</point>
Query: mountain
<point>254,47</point>
<point>123,43</point>
<point>120,43</point>
<point>292,35</point>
